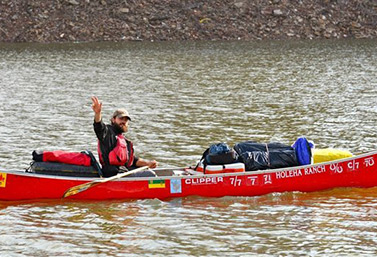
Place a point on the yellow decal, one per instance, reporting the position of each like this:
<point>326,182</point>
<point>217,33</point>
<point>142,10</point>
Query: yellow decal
<point>3,179</point>
<point>156,184</point>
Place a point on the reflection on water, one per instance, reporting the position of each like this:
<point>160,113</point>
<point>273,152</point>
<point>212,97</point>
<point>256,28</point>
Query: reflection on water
<point>183,97</point>
<point>335,222</point>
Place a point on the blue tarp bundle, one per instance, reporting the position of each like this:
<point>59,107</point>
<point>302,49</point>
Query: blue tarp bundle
<point>303,150</point>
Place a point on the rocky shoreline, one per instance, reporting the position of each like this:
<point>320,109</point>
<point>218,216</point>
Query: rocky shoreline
<point>169,20</point>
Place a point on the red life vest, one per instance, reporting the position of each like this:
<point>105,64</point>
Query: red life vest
<point>121,155</point>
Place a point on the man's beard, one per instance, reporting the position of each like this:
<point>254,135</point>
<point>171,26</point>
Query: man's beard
<point>118,129</point>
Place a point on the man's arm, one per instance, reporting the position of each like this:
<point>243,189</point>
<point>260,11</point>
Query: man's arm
<point>151,164</point>
<point>99,126</point>
<point>97,108</point>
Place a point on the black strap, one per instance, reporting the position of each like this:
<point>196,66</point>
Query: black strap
<point>94,162</point>
<point>29,168</point>
<point>204,161</point>
<point>268,156</point>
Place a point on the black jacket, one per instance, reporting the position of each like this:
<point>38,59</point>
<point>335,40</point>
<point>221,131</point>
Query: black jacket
<point>106,135</point>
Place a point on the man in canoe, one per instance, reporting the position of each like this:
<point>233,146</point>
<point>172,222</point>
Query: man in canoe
<point>115,152</point>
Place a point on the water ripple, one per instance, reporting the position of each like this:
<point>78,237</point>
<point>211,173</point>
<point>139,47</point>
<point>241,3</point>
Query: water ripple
<point>184,97</point>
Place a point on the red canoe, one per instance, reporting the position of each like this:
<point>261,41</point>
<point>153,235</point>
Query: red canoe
<point>357,171</point>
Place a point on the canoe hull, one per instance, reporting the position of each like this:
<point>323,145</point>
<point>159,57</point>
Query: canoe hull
<point>359,171</point>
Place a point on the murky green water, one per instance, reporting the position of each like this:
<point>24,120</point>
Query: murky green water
<point>182,98</point>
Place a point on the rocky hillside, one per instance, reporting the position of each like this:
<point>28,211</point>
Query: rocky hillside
<point>158,20</point>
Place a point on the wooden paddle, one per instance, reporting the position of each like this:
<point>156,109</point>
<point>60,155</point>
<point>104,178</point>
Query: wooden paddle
<point>82,187</point>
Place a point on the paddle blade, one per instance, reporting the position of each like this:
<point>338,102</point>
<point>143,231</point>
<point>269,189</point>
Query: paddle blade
<point>77,189</point>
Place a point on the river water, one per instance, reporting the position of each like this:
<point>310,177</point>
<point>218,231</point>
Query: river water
<point>183,97</point>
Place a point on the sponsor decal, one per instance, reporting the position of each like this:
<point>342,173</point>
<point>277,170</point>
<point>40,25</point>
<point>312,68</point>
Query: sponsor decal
<point>3,179</point>
<point>288,174</point>
<point>175,186</point>
<point>158,183</point>
<point>203,181</point>
<point>307,171</point>
<point>368,162</point>
<point>315,170</point>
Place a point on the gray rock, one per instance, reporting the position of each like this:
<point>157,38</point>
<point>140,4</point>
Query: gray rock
<point>124,10</point>
<point>278,12</point>
<point>73,2</point>
<point>239,4</point>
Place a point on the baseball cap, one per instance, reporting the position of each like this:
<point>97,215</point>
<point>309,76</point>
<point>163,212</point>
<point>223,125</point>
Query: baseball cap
<point>120,113</point>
